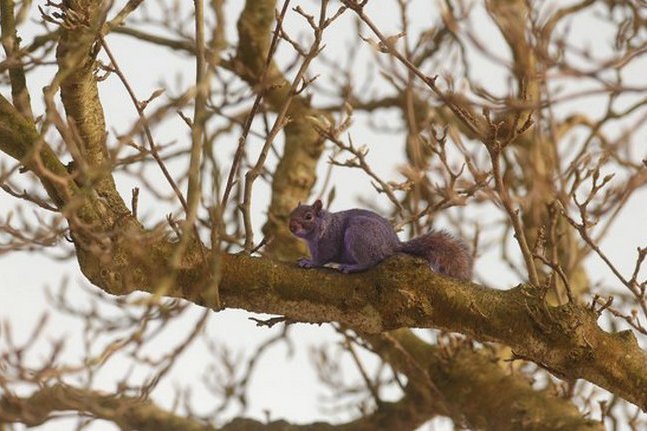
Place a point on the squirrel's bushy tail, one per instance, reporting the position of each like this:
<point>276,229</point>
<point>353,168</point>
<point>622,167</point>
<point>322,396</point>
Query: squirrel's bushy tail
<point>446,254</point>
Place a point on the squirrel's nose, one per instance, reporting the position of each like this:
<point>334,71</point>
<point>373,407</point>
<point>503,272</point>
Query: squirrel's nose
<point>294,226</point>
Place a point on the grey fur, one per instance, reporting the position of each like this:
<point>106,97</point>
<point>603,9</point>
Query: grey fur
<point>359,239</point>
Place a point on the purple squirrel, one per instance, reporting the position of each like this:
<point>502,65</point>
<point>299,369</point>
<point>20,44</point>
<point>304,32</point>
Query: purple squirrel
<point>359,239</point>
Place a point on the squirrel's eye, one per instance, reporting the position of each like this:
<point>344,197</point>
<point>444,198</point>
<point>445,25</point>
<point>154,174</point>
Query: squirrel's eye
<point>308,216</point>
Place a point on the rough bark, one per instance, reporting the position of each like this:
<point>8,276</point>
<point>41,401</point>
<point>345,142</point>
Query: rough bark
<point>473,383</point>
<point>402,292</point>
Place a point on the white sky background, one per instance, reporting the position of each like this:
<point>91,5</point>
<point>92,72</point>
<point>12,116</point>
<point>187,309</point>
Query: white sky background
<point>285,386</point>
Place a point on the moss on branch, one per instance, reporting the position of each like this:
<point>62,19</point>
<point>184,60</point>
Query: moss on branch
<point>474,385</point>
<point>401,292</point>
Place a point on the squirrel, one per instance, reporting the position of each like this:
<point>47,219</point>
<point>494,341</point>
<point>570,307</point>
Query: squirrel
<point>358,239</point>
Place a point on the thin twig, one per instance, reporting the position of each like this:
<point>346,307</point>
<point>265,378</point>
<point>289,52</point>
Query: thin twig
<point>255,106</point>
<point>144,120</point>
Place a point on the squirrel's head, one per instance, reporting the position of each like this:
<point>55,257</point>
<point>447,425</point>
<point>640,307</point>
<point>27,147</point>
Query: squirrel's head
<point>304,219</point>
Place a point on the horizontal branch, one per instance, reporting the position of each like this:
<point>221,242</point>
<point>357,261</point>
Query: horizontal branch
<point>402,292</point>
<point>385,297</point>
<point>141,414</point>
<point>126,412</point>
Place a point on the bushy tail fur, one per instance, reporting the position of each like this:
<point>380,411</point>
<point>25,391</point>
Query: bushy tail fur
<point>446,254</point>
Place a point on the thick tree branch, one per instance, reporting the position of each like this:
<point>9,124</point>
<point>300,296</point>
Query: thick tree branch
<point>135,413</point>
<point>401,292</point>
<point>473,384</point>
<point>75,55</point>
<point>125,412</point>
<point>20,140</point>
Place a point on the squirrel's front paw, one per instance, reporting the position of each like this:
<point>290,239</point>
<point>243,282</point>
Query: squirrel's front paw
<point>304,262</point>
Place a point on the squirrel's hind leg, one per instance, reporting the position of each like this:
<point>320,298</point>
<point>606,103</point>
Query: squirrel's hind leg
<point>365,245</point>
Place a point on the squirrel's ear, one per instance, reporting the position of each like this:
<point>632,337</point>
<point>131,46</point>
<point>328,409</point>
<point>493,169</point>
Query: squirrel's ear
<point>317,206</point>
